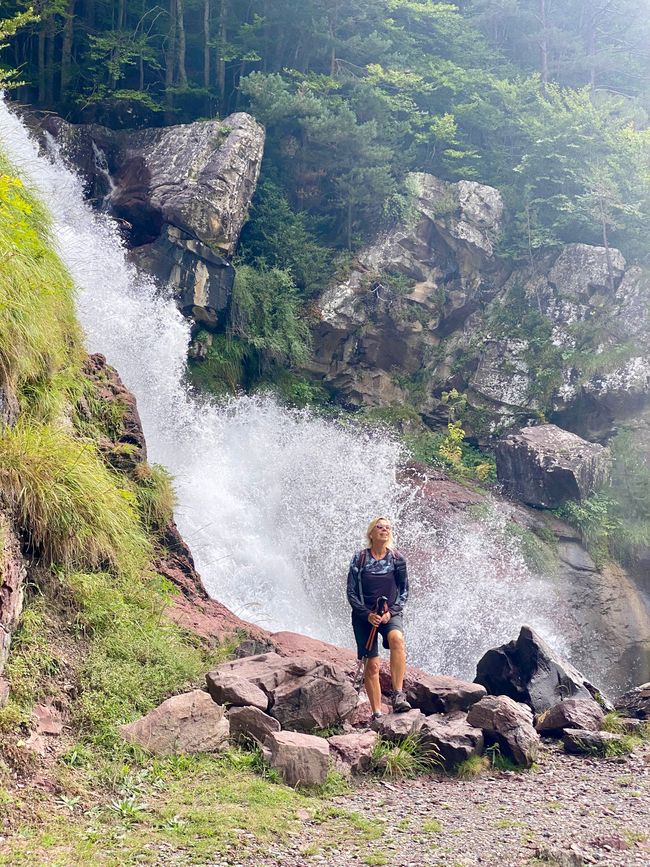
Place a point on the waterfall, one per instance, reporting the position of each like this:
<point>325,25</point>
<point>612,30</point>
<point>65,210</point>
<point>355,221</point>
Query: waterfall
<point>273,501</point>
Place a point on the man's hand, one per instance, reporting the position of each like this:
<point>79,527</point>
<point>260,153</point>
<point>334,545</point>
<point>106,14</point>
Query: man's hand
<point>375,619</point>
<point>386,617</point>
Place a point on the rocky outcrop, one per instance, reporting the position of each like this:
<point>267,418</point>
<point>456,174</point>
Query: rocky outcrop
<point>546,466</point>
<point>587,742</point>
<point>396,727</point>
<point>234,691</point>
<point>528,670</point>
<point>251,724</point>
<point>182,194</point>
<point>509,724</point>
<point>188,723</point>
<point>353,752</point>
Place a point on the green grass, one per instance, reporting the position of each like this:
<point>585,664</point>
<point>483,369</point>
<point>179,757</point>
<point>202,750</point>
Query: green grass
<point>72,508</point>
<point>432,826</point>
<point>407,759</point>
<point>155,495</point>
<point>472,767</point>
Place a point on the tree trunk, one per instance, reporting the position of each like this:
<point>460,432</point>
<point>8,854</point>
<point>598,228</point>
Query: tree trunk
<point>49,60</point>
<point>41,61</point>
<point>181,44</point>
<point>221,63</point>
<point>543,44</point>
<point>66,48</point>
<point>608,252</point>
<point>206,43</point>
<point>170,62</point>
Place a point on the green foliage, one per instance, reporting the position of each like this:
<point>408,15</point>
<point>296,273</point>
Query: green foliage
<point>408,758</point>
<point>472,767</point>
<point>155,496</point>
<point>32,281</point>
<point>73,509</point>
<point>595,518</point>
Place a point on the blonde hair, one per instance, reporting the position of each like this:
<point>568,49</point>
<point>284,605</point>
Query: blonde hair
<point>371,527</point>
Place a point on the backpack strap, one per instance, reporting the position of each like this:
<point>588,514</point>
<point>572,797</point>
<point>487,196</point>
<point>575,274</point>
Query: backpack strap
<point>361,561</point>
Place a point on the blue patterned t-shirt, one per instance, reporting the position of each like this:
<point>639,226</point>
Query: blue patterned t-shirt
<point>378,579</point>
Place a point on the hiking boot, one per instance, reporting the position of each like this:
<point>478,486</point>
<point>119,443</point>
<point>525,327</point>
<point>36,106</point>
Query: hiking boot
<point>376,714</point>
<point>400,702</point>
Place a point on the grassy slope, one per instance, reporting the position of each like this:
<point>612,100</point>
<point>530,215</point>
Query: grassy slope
<point>93,637</point>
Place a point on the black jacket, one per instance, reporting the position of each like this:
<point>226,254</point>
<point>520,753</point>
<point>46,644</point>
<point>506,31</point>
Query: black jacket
<point>355,591</point>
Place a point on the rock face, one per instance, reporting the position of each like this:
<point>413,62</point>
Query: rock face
<point>451,737</point>
<point>528,671</point>
<point>182,191</point>
<point>235,691</point>
<point>303,693</point>
<point>574,713</point>
<point>441,694</point>
<point>636,702</point>
<point>188,723</point>
<point>508,723</point>
<point>300,759</point>
<point>546,466</point>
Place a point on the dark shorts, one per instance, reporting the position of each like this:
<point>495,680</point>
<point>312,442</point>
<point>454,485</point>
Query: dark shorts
<point>362,634</point>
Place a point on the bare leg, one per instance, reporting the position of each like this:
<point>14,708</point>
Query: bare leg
<point>397,658</point>
<point>371,682</point>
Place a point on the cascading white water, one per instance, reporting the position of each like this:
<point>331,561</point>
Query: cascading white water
<point>272,501</point>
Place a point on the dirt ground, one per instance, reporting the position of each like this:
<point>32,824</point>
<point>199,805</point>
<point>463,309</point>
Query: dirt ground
<point>567,811</point>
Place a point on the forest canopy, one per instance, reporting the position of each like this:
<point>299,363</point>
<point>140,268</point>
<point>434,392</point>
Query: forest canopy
<point>545,99</point>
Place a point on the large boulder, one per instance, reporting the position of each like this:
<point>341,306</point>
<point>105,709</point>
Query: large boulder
<point>529,671</point>
<point>545,466</point>
<point>250,723</point>
<point>300,759</point>
<point>188,723</point>
<point>182,192</point>
<point>508,724</point>
<point>353,752</point>
<point>303,693</point>
<point>451,737</point>
<point>574,713</point>
<point>581,270</point>
<point>636,702</point>
<point>440,693</point>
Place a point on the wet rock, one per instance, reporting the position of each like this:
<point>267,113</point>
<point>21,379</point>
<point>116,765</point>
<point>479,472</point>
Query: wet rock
<point>188,723</point>
<point>545,466</point>
<point>590,742</point>
<point>182,194</point>
<point>300,759</point>
<point>574,713</point>
<point>353,752</point>
<point>251,723</point>
<point>398,726</point>
<point>529,671</point>
<point>581,270</point>
<point>451,737</point>
<point>636,702</point>
<point>508,723</point>
<point>229,689</point>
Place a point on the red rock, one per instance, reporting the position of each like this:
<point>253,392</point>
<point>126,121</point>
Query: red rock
<point>234,691</point>
<point>12,576</point>
<point>451,738</point>
<point>510,724</point>
<point>251,723</point>
<point>188,723</point>
<point>353,752</point>
<point>636,702</point>
<point>300,759</point>
<point>574,713</point>
<point>398,726</point>
<point>47,720</point>
<point>590,742</point>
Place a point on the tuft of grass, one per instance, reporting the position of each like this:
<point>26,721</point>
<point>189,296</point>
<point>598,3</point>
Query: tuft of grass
<point>375,859</point>
<point>612,723</point>
<point>472,767</point>
<point>39,333</point>
<point>155,495</point>
<point>406,759</point>
<point>73,509</point>
<point>432,826</point>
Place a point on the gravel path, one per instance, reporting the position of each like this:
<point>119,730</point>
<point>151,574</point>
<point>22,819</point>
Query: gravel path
<point>569,811</point>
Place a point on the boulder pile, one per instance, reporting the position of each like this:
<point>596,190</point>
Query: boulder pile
<point>287,705</point>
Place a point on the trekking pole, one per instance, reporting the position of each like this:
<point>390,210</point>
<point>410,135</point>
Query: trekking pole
<point>381,606</point>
